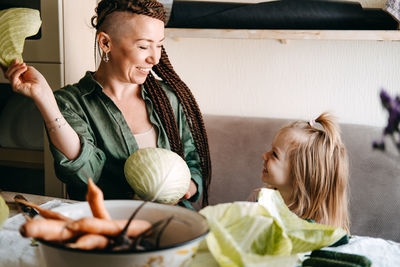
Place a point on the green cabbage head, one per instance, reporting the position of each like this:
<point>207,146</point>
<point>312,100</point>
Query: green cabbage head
<point>15,25</point>
<point>157,174</point>
<point>4,212</point>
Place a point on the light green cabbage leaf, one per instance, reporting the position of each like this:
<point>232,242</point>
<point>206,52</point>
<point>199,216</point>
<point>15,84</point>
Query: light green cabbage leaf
<point>4,211</point>
<point>15,25</point>
<point>263,233</point>
<point>157,174</point>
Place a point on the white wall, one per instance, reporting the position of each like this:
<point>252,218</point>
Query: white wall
<point>78,36</point>
<point>301,79</point>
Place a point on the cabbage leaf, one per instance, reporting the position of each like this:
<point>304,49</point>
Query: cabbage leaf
<point>15,25</point>
<point>4,211</point>
<point>265,233</point>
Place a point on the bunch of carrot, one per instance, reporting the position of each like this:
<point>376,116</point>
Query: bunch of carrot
<point>85,233</point>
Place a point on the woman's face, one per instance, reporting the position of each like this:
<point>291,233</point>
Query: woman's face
<point>135,46</point>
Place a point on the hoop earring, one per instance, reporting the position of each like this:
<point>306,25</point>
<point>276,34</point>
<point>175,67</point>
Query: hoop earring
<point>105,57</point>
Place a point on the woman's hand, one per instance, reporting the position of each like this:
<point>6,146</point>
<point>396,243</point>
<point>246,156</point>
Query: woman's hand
<point>192,190</point>
<point>26,80</point>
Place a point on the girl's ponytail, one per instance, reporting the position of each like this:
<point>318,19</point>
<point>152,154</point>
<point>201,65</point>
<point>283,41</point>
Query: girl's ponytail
<point>331,128</point>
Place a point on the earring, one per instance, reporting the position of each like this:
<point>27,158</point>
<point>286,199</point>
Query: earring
<point>105,57</point>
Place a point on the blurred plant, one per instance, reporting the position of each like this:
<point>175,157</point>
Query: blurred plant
<point>392,105</point>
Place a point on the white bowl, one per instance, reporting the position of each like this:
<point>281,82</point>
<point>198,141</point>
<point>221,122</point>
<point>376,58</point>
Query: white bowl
<point>178,243</point>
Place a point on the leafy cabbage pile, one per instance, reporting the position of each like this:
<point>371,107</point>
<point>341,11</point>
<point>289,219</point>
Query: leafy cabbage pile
<point>266,233</point>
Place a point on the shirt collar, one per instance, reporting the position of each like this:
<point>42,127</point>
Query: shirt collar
<point>88,85</point>
<point>144,92</point>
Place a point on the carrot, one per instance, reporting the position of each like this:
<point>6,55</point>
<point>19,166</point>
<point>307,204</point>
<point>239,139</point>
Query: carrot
<point>95,198</point>
<point>108,227</point>
<point>90,241</point>
<point>47,229</point>
<point>44,212</point>
<point>86,233</point>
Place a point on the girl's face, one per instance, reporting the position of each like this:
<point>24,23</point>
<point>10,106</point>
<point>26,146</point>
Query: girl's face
<point>135,47</point>
<point>276,171</point>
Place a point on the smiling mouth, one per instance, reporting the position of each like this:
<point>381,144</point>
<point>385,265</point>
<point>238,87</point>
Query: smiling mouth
<point>265,171</point>
<point>144,69</point>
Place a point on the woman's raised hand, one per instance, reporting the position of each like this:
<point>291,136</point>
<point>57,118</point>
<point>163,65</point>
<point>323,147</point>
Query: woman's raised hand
<point>26,80</point>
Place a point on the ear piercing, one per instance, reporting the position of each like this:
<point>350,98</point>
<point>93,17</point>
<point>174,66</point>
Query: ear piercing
<point>105,57</point>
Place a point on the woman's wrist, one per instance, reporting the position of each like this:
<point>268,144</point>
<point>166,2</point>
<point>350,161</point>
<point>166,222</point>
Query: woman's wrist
<point>40,97</point>
<point>54,125</point>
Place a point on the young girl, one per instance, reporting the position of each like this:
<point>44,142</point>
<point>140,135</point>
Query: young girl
<point>308,164</point>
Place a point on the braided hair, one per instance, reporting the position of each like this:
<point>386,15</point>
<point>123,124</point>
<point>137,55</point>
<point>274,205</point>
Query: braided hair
<point>166,72</point>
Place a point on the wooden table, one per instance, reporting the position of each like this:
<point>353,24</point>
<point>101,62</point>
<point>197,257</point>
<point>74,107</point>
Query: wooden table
<point>36,199</point>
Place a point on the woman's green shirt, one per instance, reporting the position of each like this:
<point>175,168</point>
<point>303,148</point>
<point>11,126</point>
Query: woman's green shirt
<point>107,141</point>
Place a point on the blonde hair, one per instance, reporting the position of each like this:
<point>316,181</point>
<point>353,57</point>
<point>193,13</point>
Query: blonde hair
<point>319,170</point>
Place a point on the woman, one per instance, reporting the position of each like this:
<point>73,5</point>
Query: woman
<point>94,125</point>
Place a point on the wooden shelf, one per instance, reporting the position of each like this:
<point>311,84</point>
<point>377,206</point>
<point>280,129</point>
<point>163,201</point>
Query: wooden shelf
<point>22,158</point>
<point>373,35</point>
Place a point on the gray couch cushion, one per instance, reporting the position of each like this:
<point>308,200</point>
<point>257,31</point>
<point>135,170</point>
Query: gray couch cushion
<point>237,143</point>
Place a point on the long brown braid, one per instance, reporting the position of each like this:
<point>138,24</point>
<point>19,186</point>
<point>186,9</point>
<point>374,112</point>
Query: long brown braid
<point>167,73</point>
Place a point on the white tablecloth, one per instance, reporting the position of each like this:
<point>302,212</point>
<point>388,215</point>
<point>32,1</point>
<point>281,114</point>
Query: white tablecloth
<point>381,252</point>
<point>16,251</point>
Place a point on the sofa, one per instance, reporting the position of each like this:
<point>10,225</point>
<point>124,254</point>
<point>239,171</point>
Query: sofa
<point>237,143</point>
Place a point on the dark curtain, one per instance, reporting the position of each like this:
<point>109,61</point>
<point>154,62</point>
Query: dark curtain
<point>284,14</point>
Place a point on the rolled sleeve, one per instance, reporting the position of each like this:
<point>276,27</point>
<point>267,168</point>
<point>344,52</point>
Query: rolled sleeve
<point>89,163</point>
<point>91,159</point>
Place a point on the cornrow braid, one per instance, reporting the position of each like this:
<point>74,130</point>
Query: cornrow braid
<point>149,8</point>
<point>166,72</point>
